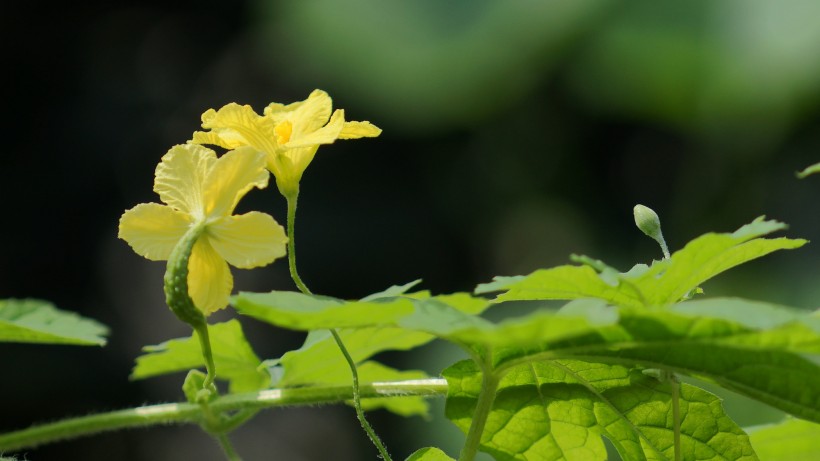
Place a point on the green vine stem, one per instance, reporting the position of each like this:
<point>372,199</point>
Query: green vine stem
<point>489,385</point>
<point>292,200</point>
<point>189,413</point>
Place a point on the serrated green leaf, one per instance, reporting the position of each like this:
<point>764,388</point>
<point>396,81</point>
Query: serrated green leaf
<point>761,364</point>
<point>663,283</point>
<point>234,359</point>
<point>789,440</point>
<point>758,358</point>
<point>393,291</point>
<point>435,317</point>
<point>809,171</point>
<point>429,454</point>
<point>297,311</point>
<point>562,282</point>
<point>561,409</point>
<point>752,314</point>
<point>36,321</point>
<point>319,360</point>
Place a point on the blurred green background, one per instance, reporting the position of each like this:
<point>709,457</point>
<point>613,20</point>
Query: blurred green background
<point>515,133</point>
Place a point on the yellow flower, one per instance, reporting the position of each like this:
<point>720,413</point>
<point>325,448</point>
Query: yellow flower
<point>289,135</point>
<point>200,189</point>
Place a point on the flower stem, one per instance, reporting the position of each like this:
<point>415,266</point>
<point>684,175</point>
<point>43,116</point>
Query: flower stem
<point>357,404</point>
<point>292,199</point>
<point>207,354</point>
<point>191,413</point>
<point>489,385</point>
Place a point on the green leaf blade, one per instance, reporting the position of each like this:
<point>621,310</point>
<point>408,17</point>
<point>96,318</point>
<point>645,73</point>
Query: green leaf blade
<point>788,440</point>
<point>665,282</point>
<point>36,321</point>
<point>561,409</point>
<point>297,311</point>
<point>562,282</point>
<point>429,454</point>
<point>234,359</point>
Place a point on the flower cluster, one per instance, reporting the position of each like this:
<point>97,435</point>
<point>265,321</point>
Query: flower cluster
<point>289,135</point>
<point>200,190</point>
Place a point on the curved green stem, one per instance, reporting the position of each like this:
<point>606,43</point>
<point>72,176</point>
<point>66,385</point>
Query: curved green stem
<point>292,200</point>
<point>190,413</point>
<point>207,354</point>
<point>489,385</point>
<point>371,433</point>
<point>227,447</point>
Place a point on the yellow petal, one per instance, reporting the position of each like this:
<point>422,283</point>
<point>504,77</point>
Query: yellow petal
<point>209,137</point>
<point>231,177</point>
<point>280,112</point>
<point>209,278</point>
<point>180,175</point>
<point>237,126</point>
<point>325,135</point>
<point>354,130</point>
<point>153,230</point>
<point>312,114</point>
<point>306,116</point>
<point>250,240</point>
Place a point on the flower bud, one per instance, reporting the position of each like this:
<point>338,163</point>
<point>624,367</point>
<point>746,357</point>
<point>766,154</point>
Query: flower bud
<point>649,223</point>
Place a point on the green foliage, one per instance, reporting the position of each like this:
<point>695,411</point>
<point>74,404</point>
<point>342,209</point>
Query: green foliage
<point>429,454</point>
<point>664,282</point>
<point>550,384</point>
<point>788,440</point>
<point>560,409</point>
<point>233,356</point>
<point>35,321</point>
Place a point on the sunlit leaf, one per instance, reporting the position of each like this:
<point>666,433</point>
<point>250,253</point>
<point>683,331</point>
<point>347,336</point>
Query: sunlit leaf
<point>663,283</point>
<point>234,359</point>
<point>789,440</point>
<point>319,360</point>
<point>35,321</point>
<point>299,311</point>
<point>540,327</point>
<point>561,409</point>
<point>762,364</point>
<point>395,290</point>
<point>429,454</point>
<point>562,282</point>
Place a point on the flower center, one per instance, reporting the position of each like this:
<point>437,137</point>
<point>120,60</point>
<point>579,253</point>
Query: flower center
<point>283,132</point>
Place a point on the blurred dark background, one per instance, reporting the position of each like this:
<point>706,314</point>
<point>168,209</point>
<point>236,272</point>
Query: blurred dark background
<point>515,133</point>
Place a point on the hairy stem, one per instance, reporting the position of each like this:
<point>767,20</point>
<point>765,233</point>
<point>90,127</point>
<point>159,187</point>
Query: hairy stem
<point>357,404</point>
<point>207,354</point>
<point>227,447</point>
<point>489,384</point>
<point>190,413</point>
